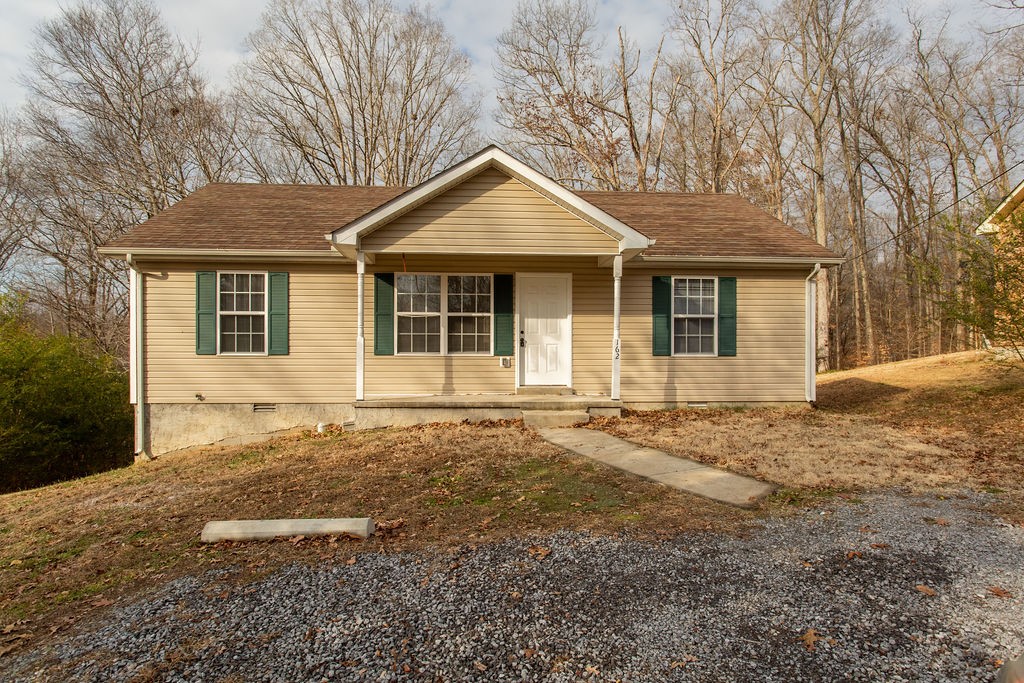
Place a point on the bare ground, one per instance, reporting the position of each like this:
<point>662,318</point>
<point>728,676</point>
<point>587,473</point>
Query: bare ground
<point>71,549</point>
<point>68,551</point>
<point>946,422</point>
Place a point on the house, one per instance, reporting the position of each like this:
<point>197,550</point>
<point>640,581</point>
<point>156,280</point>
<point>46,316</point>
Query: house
<point>1008,207</point>
<point>486,291</point>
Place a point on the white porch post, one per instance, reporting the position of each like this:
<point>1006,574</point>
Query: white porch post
<point>360,339</point>
<point>616,316</point>
<point>811,351</point>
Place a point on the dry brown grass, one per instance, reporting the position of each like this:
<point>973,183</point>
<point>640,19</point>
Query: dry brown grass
<point>72,548</point>
<point>946,422</point>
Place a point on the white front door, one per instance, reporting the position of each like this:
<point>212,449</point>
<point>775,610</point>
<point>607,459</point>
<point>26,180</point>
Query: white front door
<point>545,329</point>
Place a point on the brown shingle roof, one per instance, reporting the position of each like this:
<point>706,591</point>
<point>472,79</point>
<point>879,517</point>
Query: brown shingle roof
<point>295,217</point>
<point>706,225</point>
<point>254,216</point>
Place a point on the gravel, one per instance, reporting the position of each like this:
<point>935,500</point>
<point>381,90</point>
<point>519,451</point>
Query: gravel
<point>699,607</point>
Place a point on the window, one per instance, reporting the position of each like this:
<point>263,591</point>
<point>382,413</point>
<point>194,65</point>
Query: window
<point>242,312</point>
<point>694,312</point>
<point>469,296</point>
<point>458,322</point>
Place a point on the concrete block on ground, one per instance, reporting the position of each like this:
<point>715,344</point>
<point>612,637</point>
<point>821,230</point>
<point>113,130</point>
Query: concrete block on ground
<point>540,419</point>
<point>263,529</point>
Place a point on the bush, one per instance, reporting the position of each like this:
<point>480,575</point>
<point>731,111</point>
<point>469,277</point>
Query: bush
<point>64,409</point>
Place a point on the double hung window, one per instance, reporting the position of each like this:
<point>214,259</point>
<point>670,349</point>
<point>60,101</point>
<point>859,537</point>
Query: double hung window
<point>242,312</point>
<point>443,314</point>
<point>694,314</point>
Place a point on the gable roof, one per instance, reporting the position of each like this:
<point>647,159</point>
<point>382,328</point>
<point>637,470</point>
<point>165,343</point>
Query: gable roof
<point>252,220</point>
<point>346,238</point>
<point>1010,203</point>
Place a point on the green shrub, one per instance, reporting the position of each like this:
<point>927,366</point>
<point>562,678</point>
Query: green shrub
<point>64,409</point>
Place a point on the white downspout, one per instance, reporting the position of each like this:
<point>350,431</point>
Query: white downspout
<point>360,338</point>
<point>136,354</point>
<point>616,325</point>
<point>811,352</point>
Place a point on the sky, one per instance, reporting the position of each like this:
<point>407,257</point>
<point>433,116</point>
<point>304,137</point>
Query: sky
<point>219,28</point>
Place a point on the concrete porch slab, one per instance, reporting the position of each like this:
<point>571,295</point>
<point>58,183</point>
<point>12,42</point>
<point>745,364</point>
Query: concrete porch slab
<point>679,473</point>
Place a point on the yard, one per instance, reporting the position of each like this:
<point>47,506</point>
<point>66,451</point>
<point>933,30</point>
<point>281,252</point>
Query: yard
<point>72,551</point>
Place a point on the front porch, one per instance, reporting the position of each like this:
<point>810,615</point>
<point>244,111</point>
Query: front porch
<point>536,410</point>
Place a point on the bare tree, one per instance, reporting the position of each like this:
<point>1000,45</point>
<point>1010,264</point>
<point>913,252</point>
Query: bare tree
<point>810,34</point>
<point>588,122</point>
<point>354,92</point>
<point>12,209</point>
<point>722,67</point>
<point>118,127</point>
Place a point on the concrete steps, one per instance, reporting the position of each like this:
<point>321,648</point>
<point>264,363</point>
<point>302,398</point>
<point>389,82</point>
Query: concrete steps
<point>543,419</point>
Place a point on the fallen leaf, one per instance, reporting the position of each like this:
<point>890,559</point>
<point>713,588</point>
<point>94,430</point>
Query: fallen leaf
<point>1000,592</point>
<point>810,638</point>
<point>15,563</point>
<point>539,551</point>
<point>868,530</point>
<point>592,670</point>
<point>529,652</point>
<point>350,561</point>
<point>102,602</point>
<point>480,666</point>
<point>516,596</point>
<point>296,539</point>
<point>854,553</point>
<point>879,546</point>
<point>925,589</point>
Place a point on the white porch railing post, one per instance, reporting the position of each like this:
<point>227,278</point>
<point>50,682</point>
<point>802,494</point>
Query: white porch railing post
<point>360,338</point>
<point>616,319</point>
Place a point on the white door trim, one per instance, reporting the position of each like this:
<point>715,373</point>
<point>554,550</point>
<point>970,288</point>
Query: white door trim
<point>518,320</point>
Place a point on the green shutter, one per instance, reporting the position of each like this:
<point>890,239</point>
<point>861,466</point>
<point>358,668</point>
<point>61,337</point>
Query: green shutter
<point>384,314</point>
<point>504,315</point>
<point>277,314</point>
<point>726,316</point>
<point>206,313</point>
<point>661,315</point>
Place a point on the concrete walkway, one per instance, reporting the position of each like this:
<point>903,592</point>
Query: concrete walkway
<point>680,473</point>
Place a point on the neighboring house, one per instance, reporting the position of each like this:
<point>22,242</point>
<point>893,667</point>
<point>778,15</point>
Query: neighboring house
<point>484,291</point>
<point>1010,205</point>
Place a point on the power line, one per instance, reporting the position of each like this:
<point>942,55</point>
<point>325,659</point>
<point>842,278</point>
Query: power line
<point>937,213</point>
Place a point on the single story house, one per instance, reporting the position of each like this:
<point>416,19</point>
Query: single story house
<point>485,291</point>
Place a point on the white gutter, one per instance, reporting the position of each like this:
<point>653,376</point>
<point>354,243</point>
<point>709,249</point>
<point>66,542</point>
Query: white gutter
<point>136,352</point>
<point>152,254</point>
<point>811,321</point>
<point>742,260</point>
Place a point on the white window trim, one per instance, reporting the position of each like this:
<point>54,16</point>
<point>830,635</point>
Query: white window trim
<point>266,312</point>
<point>713,316</point>
<point>444,317</point>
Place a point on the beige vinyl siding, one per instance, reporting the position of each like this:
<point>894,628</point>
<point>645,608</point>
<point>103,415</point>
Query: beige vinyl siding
<point>400,375</point>
<point>490,213</point>
<point>769,361</point>
<point>320,366</point>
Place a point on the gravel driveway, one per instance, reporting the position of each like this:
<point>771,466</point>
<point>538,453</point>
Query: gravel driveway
<point>824,595</point>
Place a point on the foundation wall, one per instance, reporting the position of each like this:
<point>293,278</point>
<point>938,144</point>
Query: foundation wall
<point>172,426</point>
